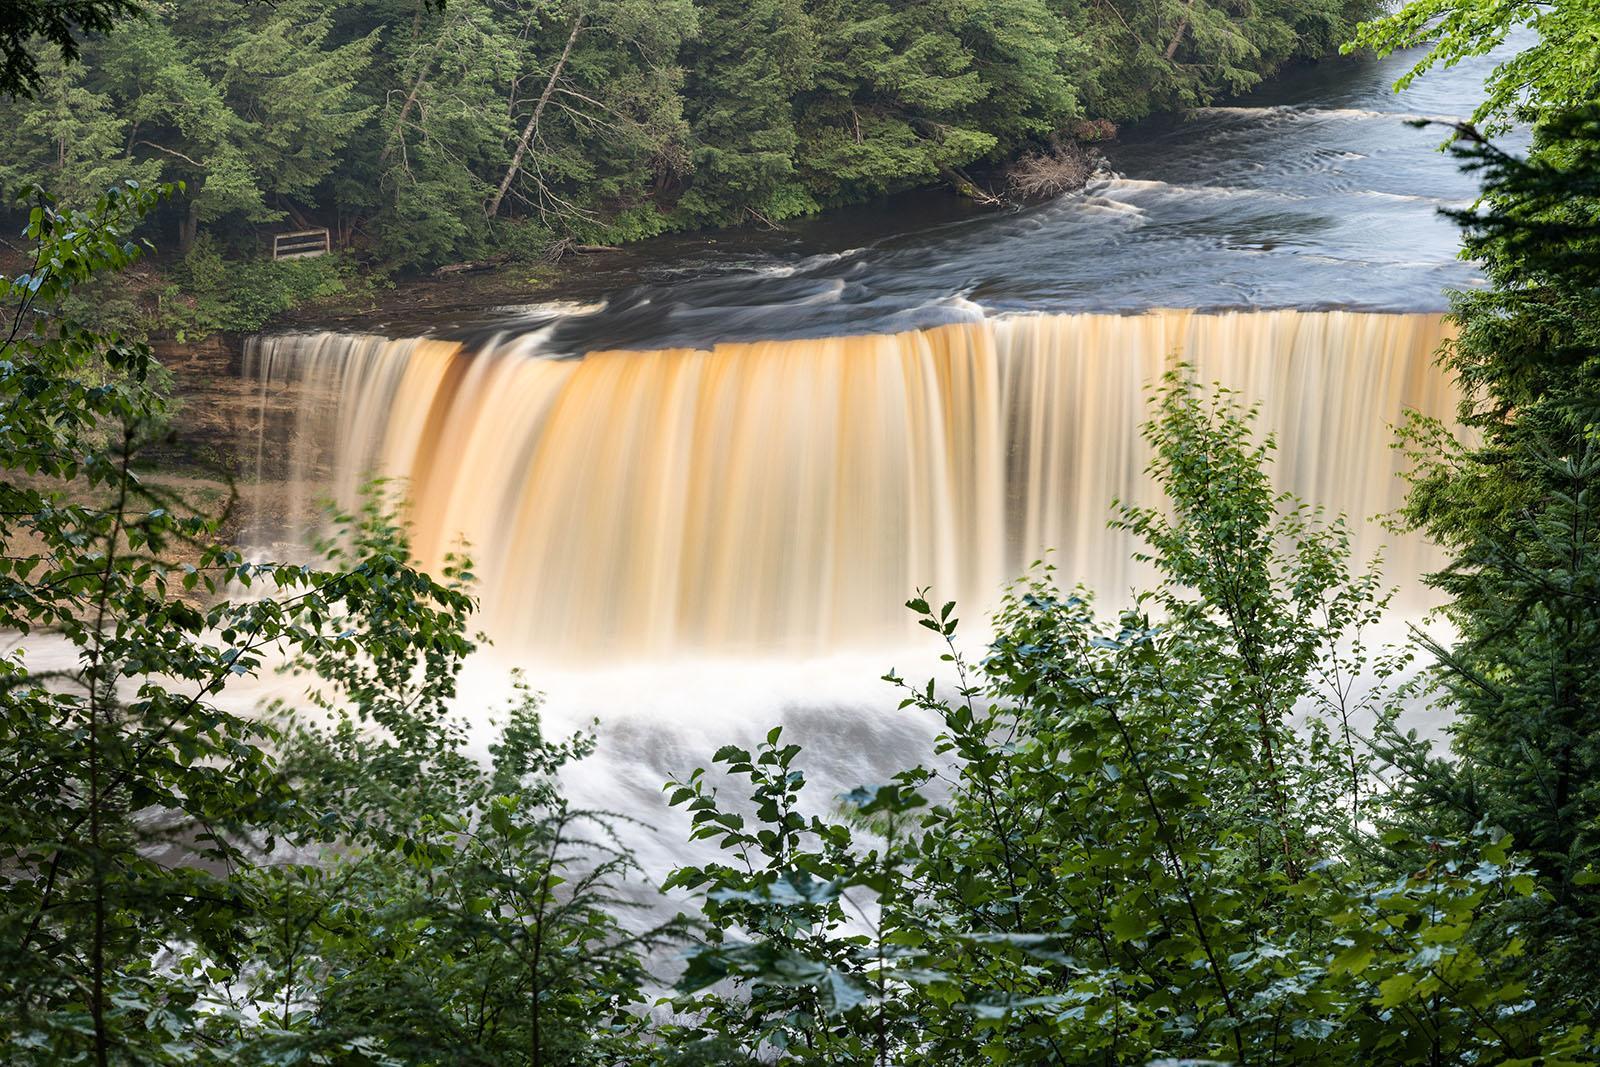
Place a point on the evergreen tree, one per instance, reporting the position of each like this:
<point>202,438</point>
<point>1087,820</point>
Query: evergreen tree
<point>184,123</point>
<point>747,65</point>
<point>298,89</point>
<point>441,130</point>
<point>426,133</point>
<point>892,81</point>
<point>1518,506</point>
<point>1027,59</point>
<point>597,107</point>
<point>60,23</point>
<point>68,138</point>
<point>1166,54</point>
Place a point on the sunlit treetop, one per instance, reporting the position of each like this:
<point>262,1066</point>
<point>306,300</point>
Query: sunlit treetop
<point>1558,72</point>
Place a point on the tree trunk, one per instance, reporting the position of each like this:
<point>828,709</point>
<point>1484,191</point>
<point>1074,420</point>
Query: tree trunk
<point>410,101</point>
<point>1177,38</point>
<point>295,214</point>
<point>188,228</point>
<point>533,121</point>
<point>967,187</point>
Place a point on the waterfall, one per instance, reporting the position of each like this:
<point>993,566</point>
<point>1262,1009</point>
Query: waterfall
<point>790,495</point>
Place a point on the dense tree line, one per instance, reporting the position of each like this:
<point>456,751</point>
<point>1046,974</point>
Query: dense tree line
<point>427,133</point>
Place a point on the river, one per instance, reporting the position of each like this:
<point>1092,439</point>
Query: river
<point>1317,191</point>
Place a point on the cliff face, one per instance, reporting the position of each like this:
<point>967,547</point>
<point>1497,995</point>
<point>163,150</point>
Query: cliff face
<point>228,452</point>
<point>215,409</point>
<point>215,404</point>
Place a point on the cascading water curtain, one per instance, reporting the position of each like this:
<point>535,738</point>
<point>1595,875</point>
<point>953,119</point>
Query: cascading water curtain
<point>790,495</point>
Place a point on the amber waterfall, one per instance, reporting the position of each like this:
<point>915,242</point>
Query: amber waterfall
<point>789,495</point>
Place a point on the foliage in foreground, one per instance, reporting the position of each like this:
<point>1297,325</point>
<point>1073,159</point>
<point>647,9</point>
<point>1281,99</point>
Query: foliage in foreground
<point>182,882</point>
<point>472,885</point>
<point>1517,503</point>
<point>1165,838</point>
<point>1150,839</point>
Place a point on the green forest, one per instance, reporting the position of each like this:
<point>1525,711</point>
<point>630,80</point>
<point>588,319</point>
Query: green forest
<point>1148,836</point>
<point>425,133</point>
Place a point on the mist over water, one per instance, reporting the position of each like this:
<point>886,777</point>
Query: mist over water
<point>699,486</point>
<point>692,545</point>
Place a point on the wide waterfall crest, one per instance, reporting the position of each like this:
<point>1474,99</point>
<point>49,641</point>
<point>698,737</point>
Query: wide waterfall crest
<point>789,495</point>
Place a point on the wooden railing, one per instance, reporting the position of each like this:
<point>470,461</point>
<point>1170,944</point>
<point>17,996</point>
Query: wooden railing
<point>301,244</point>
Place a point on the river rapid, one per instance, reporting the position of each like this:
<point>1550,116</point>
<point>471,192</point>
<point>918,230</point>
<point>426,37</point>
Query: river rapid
<point>1317,191</point>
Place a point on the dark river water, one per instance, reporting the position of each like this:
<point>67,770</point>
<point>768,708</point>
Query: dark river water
<point>1317,191</point>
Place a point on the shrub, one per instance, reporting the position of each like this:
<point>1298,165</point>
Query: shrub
<point>213,294</point>
<point>1137,856</point>
<point>1045,175</point>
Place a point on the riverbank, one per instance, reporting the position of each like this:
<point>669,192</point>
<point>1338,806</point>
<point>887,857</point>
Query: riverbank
<point>1316,191</point>
<point>170,299</point>
<point>204,292</point>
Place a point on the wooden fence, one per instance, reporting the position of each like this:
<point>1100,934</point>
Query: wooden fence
<point>301,244</point>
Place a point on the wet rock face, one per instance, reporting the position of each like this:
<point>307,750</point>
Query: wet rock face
<point>214,401</point>
<point>216,410</point>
